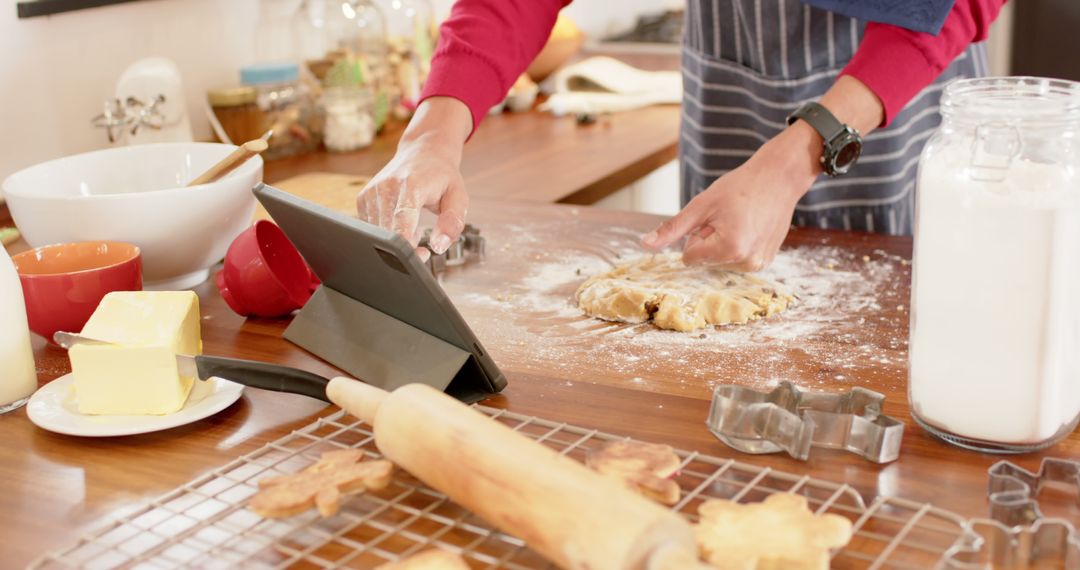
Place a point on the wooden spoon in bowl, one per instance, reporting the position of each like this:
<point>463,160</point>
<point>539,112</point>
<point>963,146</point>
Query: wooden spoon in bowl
<point>237,157</point>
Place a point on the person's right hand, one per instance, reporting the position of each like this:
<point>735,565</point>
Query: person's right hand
<point>424,173</point>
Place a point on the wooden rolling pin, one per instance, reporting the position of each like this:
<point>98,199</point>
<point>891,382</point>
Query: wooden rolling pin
<point>563,510</point>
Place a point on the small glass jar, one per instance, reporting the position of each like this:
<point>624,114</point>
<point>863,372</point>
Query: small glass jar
<point>287,108</point>
<point>995,319</point>
<point>236,111</point>
<point>347,47</point>
<point>336,26</point>
<point>410,29</point>
<point>370,44</point>
<point>350,124</point>
<point>276,32</point>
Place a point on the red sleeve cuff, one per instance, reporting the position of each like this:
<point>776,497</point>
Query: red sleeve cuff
<point>468,78</point>
<point>892,66</point>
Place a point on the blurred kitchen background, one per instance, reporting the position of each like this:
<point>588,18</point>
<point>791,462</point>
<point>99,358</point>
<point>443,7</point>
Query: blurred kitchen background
<point>58,69</point>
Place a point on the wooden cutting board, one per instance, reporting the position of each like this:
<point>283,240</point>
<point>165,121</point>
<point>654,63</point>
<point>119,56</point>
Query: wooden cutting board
<point>336,191</point>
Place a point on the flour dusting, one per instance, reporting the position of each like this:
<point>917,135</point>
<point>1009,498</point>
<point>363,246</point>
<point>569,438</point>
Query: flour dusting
<point>842,329</point>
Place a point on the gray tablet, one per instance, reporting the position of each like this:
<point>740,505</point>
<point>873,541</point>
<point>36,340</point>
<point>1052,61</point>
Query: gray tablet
<point>380,294</point>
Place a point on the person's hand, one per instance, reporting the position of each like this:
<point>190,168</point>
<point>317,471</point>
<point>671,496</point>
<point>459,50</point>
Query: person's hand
<point>741,220</point>
<point>424,173</point>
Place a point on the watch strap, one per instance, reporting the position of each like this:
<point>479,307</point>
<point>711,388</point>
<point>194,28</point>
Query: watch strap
<point>823,121</point>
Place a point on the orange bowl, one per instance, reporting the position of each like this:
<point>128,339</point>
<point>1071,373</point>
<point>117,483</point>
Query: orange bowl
<point>63,283</point>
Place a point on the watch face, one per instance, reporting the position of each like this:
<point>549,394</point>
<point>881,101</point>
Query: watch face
<point>847,153</point>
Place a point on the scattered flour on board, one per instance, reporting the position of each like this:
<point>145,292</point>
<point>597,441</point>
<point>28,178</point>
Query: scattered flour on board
<point>843,327</point>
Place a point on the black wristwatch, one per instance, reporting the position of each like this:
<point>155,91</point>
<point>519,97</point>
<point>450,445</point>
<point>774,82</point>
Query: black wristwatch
<point>843,145</point>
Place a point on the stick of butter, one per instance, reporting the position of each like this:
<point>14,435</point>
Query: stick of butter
<point>137,374</point>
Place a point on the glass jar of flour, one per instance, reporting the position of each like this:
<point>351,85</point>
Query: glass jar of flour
<point>995,320</point>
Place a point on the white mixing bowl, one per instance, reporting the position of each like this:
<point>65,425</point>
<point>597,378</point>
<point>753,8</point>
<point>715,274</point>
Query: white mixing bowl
<point>136,194</point>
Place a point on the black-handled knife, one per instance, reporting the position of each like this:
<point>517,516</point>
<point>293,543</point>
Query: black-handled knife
<point>252,373</point>
<point>256,374</point>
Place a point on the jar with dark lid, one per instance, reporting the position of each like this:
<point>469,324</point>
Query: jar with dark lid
<point>237,112</point>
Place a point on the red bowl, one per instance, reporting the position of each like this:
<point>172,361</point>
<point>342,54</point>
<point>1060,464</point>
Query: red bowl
<point>264,274</point>
<point>63,283</point>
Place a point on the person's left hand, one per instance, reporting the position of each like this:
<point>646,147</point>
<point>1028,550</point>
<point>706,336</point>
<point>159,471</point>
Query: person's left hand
<point>741,220</point>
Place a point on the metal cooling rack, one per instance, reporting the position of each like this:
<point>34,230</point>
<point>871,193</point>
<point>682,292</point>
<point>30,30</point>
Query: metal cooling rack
<point>205,523</point>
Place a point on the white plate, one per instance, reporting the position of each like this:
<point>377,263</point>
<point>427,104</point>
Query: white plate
<point>53,407</point>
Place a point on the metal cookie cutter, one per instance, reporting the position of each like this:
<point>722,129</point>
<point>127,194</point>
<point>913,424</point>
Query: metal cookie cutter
<point>788,419</point>
<point>469,244</point>
<point>1013,489</point>
<point>131,112</point>
<point>1017,535</point>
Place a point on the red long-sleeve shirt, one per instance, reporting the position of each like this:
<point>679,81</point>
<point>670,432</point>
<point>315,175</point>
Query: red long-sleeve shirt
<point>486,44</point>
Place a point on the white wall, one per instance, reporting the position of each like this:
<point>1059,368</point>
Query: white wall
<point>57,71</point>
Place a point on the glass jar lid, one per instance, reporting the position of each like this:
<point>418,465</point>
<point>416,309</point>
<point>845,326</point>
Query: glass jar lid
<point>231,96</point>
<point>1036,101</point>
<point>269,73</point>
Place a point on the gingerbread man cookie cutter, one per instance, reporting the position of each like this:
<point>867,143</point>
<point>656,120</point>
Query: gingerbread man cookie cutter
<point>793,421</point>
<point>469,244</point>
<point>1017,535</point>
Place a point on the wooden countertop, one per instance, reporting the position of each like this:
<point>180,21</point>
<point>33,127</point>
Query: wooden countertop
<point>535,156</point>
<point>563,367</point>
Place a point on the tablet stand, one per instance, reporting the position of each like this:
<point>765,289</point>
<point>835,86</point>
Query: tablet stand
<point>381,350</point>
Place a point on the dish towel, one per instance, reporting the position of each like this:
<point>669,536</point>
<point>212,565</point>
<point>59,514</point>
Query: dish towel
<point>606,85</point>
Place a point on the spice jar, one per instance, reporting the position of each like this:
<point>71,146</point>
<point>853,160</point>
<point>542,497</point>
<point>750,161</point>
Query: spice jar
<point>237,112</point>
<point>349,121</point>
<point>995,322</point>
<point>287,108</point>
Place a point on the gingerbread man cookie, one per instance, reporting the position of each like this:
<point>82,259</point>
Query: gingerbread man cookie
<point>644,467</point>
<point>777,533</point>
<point>434,559</point>
<point>337,473</point>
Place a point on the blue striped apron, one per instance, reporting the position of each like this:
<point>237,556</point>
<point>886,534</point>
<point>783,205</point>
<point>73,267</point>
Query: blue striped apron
<point>747,64</point>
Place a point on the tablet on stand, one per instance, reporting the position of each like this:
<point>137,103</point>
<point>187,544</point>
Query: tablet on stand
<point>379,315</point>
